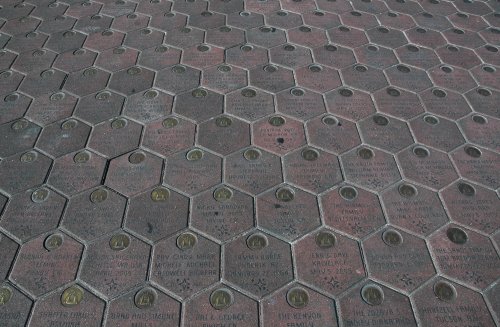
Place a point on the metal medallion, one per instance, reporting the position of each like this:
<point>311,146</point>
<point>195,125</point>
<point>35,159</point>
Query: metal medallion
<point>421,152</point>
<point>99,195</point>
<point>310,154</point>
<point>199,93</point>
<point>29,156</point>
<point>472,151</point>
<point>248,93</point>
<point>297,297</point>
<point>439,93</point>
<point>380,120</point>
<point>47,73</point>
<point>270,68</point>
<point>224,68</point>
<point>81,157</point>
<point>20,125</point>
<point>119,242</point>
<point>186,241</point>
<point>5,295</point>
<point>346,93</point>
<point>194,155</point>
<point>203,48</point>
<point>161,49</point>
<point>431,120</point>
<point>315,68</point>
<point>223,194</point>
<point>69,124</point>
<point>445,291</point>
<point>221,298</point>
<point>407,190</point>
<point>348,193</point>
<point>11,97</point>
<point>118,123</point>
<point>134,71</point>
<point>297,92</point>
<point>150,94</point>
<point>277,121</point>
<point>40,195</point>
<point>479,119</point>
<point>251,154</point>
<point>179,69</point>
<point>366,153</point>
<point>257,241</point>
<point>325,240</point>
<point>136,158</point>
<point>285,194</point>
<point>457,235</point>
<point>53,242</point>
<point>372,294</point>
<point>170,122</point>
<point>89,72</point>
<point>223,121</point>
<point>392,237</point>
<point>57,96</point>
<point>330,121</point>
<point>466,189</point>
<point>145,298</point>
<point>102,96</point>
<point>160,194</point>
<point>72,296</point>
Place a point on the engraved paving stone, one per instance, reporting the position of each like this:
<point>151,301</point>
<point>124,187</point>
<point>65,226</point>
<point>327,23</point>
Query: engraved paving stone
<point>17,136</point>
<point>332,133</point>
<point>224,134</point>
<point>63,137</point>
<point>199,104</point>
<point>258,263</point>
<point>482,130</point>
<point>440,133</point>
<point>465,255</point>
<point>477,164</point>
<point>157,213</point>
<point>94,213</point>
<point>399,259</point>
<point>185,263</point>
<point>73,305</point>
<point>13,106</point>
<point>278,134</point>
<point>115,137</point>
<point>300,103</point>
<point>95,108</point>
<point>8,250</point>
<point>299,305</point>
<point>389,134</point>
<point>331,262</point>
<point>249,104</point>
<point>169,135</point>
<point>49,108</point>
<point>115,263</point>
<point>398,102</point>
<point>148,106</point>
<point>14,306</point>
<point>46,263</point>
<point>146,305</point>
<point>32,213</point>
<point>350,104</point>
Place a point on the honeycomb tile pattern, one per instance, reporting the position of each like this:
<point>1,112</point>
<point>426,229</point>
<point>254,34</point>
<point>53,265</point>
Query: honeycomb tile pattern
<point>244,163</point>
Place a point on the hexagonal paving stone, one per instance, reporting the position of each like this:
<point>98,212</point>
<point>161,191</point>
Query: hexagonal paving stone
<point>348,36</point>
<point>412,79</point>
<point>447,103</point>
<point>278,134</point>
<point>157,213</point>
<point>86,81</point>
<point>13,106</point>
<point>300,103</point>
<point>8,250</point>
<point>74,60</point>
<point>266,36</point>
<point>224,134</point>
<point>159,57</point>
<point>224,78</point>
<point>16,307</point>
<point>199,104</point>
<point>350,104</point>
<point>185,263</point>
<point>117,58</point>
<point>225,36</point>
<point>484,131</point>
<point>134,172</point>
<point>317,78</point>
<point>270,267</point>
<point>483,100</point>
<point>93,213</point>
<point>290,56</point>
<point>185,37</point>
<point>458,56</point>
<point>131,80</point>
<point>177,79</point>
<point>271,78</point>
<point>148,106</point>
<point>143,38</point>
<point>334,56</point>
<point>249,103</point>
<point>47,81</point>
<point>287,212</point>
<point>389,134</point>
<point>454,78</point>
<point>33,61</point>
<point>246,56</point>
<point>115,263</point>
<point>32,213</point>
<point>465,255</point>
<point>169,135</point>
<point>203,56</point>
<point>440,133</point>
<point>115,137</point>
<point>333,134</point>
<point>63,137</point>
<point>331,262</point>
<point>95,108</point>
<point>479,165</point>
<point>376,56</point>
<point>18,136</point>
<point>46,263</point>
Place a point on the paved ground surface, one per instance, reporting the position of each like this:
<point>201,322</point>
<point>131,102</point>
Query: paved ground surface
<point>249,163</point>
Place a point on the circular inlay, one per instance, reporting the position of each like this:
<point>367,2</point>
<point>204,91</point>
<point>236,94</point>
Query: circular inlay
<point>445,291</point>
<point>439,93</point>
<point>194,155</point>
<point>53,242</point>
<point>103,96</point>
<point>380,120</point>
<point>221,299</point>
<point>11,97</point>
<point>315,68</point>
<point>421,152</point>
<point>310,154</point>
<point>118,123</point>
<point>372,294</point>
<point>431,120</point>
<point>69,124</point>
<point>297,92</point>
<point>98,196</point>
<point>330,120</point>
<point>72,296</point>
<point>203,48</point>
<point>81,157</point>
<point>252,154</point>
<point>256,241</point>
<point>179,69</point>
<point>136,158</point>
<point>145,298</point>
<point>403,69</point>
<point>345,92</point>
<point>224,68</point>
<point>325,239</point>
<point>466,189</point>
<point>199,93</point>
<point>248,93</point>
<point>348,193</point>
<point>366,153</point>
<point>28,157</point>
<point>223,121</point>
<point>223,194</point>
<point>457,235</point>
<point>277,121</point>
<point>479,119</point>
<point>392,237</point>
<point>407,190</point>
<point>393,92</point>
<point>186,241</point>
<point>119,242</point>
<point>170,122</point>
<point>160,194</point>
<point>472,151</point>
<point>5,295</point>
<point>270,68</point>
<point>285,194</point>
<point>484,92</point>
<point>297,297</point>
<point>40,195</point>
<point>330,47</point>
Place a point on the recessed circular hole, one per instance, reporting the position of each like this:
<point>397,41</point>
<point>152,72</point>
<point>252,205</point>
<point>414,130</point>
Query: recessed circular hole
<point>392,237</point>
<point>224,68</point>
<point>310,154</point>
<point>297,92</point>
<point>360,68</point>
<point>270,68</point>
<point>452,48</point>
<point>472,151</point>
<point>285,194</point>
<point>325,240</point>
<point>392,14</point>
<point>403,69</point>
<point>407,190</point>
<point>412,48</point>
<point>366,153</point>
<point>305,29</point>
<point>466,189</point>
<point>289,47</point>
<point>282,13</point>
<point>330,120</point>
<point>344,29</point>
<point>315,68</point>
<point>257,241</point>
<point>421,30</point>
<point>457,235</point>
<point>186,241</point>
<point>446,69</point>
<point>445,291</point>
<point>489,69</point>
<point>221,299</point>
<point>439,93</point>
<point>355,13</point>
<point>330,47</point>
<point>479,119</point>
<point>427,15</point>
<point>380,120</point>
<point>372,294</point>
<point>297,297</point>
<point>203,48</point>
<point>421,152</point>
<point>383,30</point>
<point>393,92</point>
<point>345,92</point>
<point>248,93</point>
<point>431,120</point>
<point>484,92</point>
<point>373,48</point>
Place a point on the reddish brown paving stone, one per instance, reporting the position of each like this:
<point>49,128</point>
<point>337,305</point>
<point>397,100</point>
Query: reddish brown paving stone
<point>253,170</point>
<point>245,19</point>
<point>225,36</point>
<point>311,169</point>
<point>332,134</point>
<point>47,81</point>
<point>283,19</point>
<point>446,303</point>
<point>439,8</point>
<point>434,22</point>
<point>348,103</point>
<point>469,22</point>
<point>333,55</point>
<point>246,56</point>
<point>271,78</point>
<point>426,37</point>
<point>431,168</point>
<point>483,100</point>
<point>300,103</point>
<point>148,106</point>
<point>144,305</point>
<point>64,41</point>
<point>486,75</point>
<point>396,20</point>
<point>203,56</point>
<point>249,104</point>
<point>390,306</point>
<point>331,262</point>
<point>74,60</point>
<point>51,311</point>
<point>484,131</point>
<point>18,136</point>
<point>32,213</point>
<point>453,78</point>
<point>94,24</point>
<point>388,37</point>
<point>9,81</point>
<point>46,263</point>
<point>13,106</point>
<point>193,171</point>
<point>116,59</point>
<point>169,135</point>
<point>405,7</point>
<point>78,171</point>
<point>131,80</point>
<point>261,7</point>
<point>63,137</point>
<point>168,21</point>
<point>16,308</point>
<point>287,212</point>
<point>116,9</point>
<point>488,53</point>
<point>308,36</point>
<point>258,263</point>
<point>313,308</point>
<point>23,171</point>
<point>185,37</point>
<point>278,134</point>
<point>104,39</point>
<point>205,19</point>
<point>115,263</point>
<point>471,205</point>
<point>412,79</point>
<point>185,263</point>
<point>335,6</point>
<point>177,79</point>
<point>362,20</point>
<point>224,78</point>
<point>439,133</point>
<point>317,78</point>
<point>239,310</point>
<point>348,36</point>
<point>130,22</point>
<point>95,108</point>
<point>143,38</point>
<point>227,7</point>
<point>134,172</point>
<point>375,56</point>
<point>463,38</point>
<point>373,7</point>
<point>87,81</point>
<point>458,56</point>
<point>224,134</point>
<point>190,8</point>
<point>447,103</point>
<point>479,165</point>
<point>157,213</point>
<point>222,212</point>
<point>389,134</point>
<point>298,6</point>
<point>159,57</point>
<point>22,25</point>
<point>28,41</point>
<point>266,36</point>
<point>370,168</point>
<point>414,208</point>
<point>465,255</point>
<point>494,299</point>
<point>420,57</point>
<point>290,56</point>
<point>199,104</point>
<point>94,213</point>
<point>8,250</point>
<point>115,137</point>
<point>399,259</point>
<point>352,210</point>
<point>33,61</point>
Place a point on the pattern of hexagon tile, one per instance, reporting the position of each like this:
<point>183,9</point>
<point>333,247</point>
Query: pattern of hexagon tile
<point>239,163</point>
